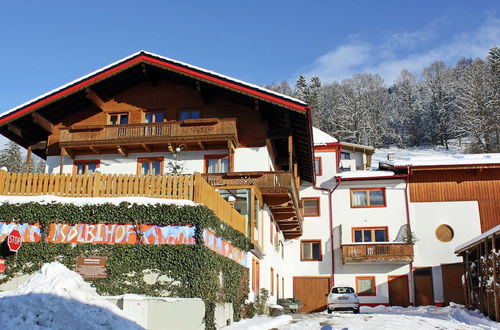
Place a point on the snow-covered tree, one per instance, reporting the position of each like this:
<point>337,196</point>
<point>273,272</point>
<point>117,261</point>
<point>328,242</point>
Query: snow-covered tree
<point>10,157</point>
<point>282,87</point>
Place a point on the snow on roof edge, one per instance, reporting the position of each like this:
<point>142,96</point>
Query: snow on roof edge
<point>457,159</point>
<point>321,138</point>
<point>478,238</point>
<point>126,58</point>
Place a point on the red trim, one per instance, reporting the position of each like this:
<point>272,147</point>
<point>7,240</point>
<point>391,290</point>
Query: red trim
<point>343,303</point>
<point>318,214</point>
<point>397,176</point>
<point>164,63</point>
<point>439,304</point>
<point>374,286</point>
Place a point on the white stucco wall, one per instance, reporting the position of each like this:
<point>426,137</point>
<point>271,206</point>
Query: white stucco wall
<point>462,217</point>
<point>252,159</point>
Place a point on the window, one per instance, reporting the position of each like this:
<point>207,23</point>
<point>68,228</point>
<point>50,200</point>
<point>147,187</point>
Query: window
<point>153,166</point>
<point>255,275</point>
<point>118,118</point>
<point>189,114</point>
<point>311,207</point>
<point>345,155</point>
<point>317,166</point>
<point>365,286</point>
<point>372,197</point>
<point>154,117</point>
<point>85,166</point>
<point>272,281</point>
<point>310,250</point>
<point>370,234</point>
<point>216,163</point>
<point>444,233</point>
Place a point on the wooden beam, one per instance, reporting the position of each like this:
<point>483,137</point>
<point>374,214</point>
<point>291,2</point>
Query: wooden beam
<point>122,151</point>
<point>202,91</point>
<point>94,98</point>
<point>61,160</point>
<point>257,106</point>
<point>290,153</point>
<point>68,152</point>
<point>202,146</point>
<point>146,147</point>
<point>21,133</point>
<point>148,74</point>
<point>279,133</point>
<point>42,122</point>
<point>28,159</point>
<point>39,145</point>
<point>94,149</point>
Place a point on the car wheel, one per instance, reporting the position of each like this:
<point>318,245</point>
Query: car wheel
<point>356,310</point>
<point>329,310</point>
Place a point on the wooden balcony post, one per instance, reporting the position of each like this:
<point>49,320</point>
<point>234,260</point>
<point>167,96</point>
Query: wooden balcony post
<point>61,160</point>
<point>28,159</point>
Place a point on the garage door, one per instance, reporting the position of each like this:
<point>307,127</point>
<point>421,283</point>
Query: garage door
<point>311,292</point>
<point>452,283</point>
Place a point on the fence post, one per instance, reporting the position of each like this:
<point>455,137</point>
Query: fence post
<point>197,187</point>
<point>97,183</point>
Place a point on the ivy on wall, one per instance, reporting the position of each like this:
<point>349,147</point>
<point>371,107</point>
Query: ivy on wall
<point>177,270</point>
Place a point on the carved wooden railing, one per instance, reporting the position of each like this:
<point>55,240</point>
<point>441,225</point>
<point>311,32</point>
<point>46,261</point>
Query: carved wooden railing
<point>377,252</point>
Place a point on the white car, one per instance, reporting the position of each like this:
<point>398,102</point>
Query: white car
<point>343,298</point>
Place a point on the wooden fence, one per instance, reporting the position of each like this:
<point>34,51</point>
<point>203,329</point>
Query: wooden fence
<point>173,186</point>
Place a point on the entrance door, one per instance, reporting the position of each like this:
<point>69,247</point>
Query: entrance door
<point>398,291</point>
<point>452,283</point>
<point>423,286</point>
<point>311,293</point>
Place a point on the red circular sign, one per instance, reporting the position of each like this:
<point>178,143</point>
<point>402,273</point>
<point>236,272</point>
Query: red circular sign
<point>14,240</point>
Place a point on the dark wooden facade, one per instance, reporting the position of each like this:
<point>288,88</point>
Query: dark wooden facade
<point>479,183</point>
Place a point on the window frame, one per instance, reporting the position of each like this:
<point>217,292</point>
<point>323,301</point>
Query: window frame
<point>374,286</point>
<point>311,241</point>
<point>86,162</point>
<point>367,191</point>
<point>141,160</point>
<point>318,213</point>
<point>154,114</point>
<point>119,118</point>
<point>372,229</point>
<point>319,171</point>
<point>343,154</point>
<point>180,111</point>
<point>217,156</point>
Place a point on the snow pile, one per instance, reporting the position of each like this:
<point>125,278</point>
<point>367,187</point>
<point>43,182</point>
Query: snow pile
<point>260,322</point>
<point>48,199</point>
<point>57,298</point>
<point>380,317</point>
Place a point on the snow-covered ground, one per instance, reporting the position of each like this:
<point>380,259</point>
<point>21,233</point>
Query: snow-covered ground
<point>58,298</point>
<point>374,318</point>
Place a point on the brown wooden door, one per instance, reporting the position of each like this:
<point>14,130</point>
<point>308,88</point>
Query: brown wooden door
<point>398,291</point>
<point>452,283</point>
<point>423,286</point>
<point>311,293</point>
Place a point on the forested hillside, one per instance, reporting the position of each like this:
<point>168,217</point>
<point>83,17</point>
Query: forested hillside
<point>439,104</point>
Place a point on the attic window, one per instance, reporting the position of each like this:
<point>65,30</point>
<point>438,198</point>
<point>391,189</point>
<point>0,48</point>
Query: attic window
<point>118,118</point>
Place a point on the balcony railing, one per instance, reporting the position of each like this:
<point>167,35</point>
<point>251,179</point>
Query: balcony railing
<point>186,131</point>
<point>175,186</point>
<point>279,191</point>
<point>400,253</point>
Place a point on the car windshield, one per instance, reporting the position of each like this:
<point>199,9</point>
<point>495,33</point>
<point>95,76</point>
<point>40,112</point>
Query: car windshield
<point>343,290</point>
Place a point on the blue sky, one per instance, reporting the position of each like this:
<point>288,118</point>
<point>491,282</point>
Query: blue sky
<point>45,44</point>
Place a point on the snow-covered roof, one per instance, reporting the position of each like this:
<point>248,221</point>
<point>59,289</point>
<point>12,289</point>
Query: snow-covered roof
<point>478,238</point>
<point>456,159</point>
<point>322,138</point>
<point>367,175</point>
<point>176,62</point>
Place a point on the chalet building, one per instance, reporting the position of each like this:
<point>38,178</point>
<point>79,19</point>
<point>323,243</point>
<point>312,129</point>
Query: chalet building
<point>315,213</point>
<point>146,116</point>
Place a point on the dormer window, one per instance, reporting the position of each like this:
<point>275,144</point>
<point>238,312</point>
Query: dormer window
<point>118,118</point>
<point>189,114</point>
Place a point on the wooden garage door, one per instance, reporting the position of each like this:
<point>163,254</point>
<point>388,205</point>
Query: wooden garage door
<point>398,291</point>
<point>452,283</point>
<point>423,286</point>
<point>311,293</point>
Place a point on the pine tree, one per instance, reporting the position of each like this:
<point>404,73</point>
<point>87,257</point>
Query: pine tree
<point>10,157</point>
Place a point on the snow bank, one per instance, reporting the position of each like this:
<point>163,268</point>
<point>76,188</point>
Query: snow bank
<point>260,322</point>
<point>48,199</point>
<point>57,298</point>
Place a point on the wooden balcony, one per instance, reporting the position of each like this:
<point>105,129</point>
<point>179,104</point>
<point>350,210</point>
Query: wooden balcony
<point>382,253</point>
<point>279,191</point>
<point>193,133</point>
<point>175,186</point>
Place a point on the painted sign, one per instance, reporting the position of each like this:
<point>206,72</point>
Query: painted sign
<point>223,247</point>
<point>29,233</point>
<point>2,266</point>
<point>113,233</point>
<point>91,267</point>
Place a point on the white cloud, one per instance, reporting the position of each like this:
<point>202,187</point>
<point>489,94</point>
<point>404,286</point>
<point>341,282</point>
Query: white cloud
<point>386,60</point>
